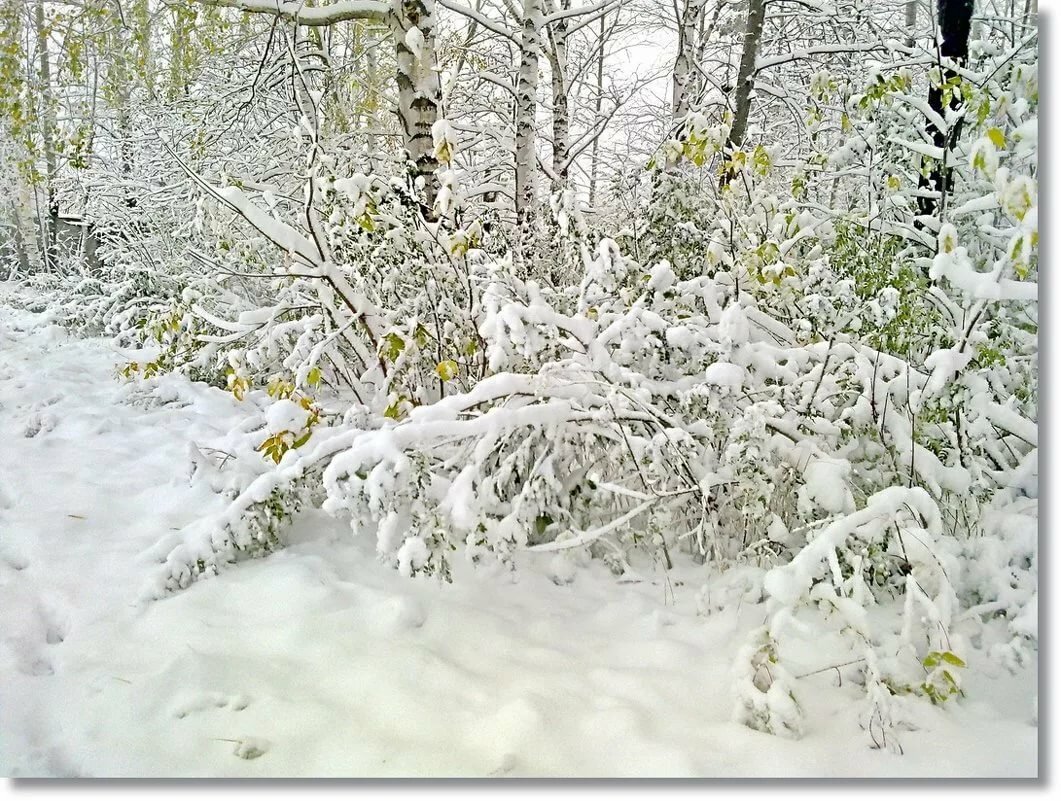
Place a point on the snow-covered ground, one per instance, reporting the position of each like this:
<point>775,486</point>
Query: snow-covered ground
<point>319,661</point>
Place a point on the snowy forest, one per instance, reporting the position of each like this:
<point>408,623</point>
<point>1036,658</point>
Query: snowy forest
<point>568,388</point>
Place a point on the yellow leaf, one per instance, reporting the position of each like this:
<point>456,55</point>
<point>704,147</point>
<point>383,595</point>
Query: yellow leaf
<point>998,139</point>
<point>447,370</point>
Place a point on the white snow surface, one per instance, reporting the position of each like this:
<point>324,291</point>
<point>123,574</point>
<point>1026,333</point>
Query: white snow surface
<point>320,661</point>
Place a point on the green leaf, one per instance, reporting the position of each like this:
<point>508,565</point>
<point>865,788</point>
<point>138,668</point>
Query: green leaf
<point>393,345</point>
<point>931,659</point>
<point>313,377</point>
<point>952,659</point>
<point>395,411</point>
<point>998,139</point>
<point>761,160</point>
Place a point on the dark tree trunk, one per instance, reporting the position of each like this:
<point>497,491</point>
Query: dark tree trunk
<point>955,21</point>
<point>753,32</point>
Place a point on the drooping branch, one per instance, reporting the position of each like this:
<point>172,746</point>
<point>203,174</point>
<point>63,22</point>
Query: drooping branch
<point>313,16</point>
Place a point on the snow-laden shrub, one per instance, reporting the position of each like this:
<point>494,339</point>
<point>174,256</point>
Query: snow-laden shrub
<point>789,367</point>
<point>957,543</point>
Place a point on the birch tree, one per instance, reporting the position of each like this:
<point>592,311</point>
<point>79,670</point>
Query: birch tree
<point>413,29</point>
<point>684,80</point>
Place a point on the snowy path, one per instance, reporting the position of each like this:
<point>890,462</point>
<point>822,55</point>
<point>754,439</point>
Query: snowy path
<point>317,661</point>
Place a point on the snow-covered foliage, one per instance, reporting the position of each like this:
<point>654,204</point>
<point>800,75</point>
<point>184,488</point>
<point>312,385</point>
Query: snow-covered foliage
<point>787,350</point>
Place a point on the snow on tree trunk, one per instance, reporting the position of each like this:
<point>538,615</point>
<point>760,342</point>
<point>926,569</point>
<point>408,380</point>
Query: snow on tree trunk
<point>526,108</point>
<point>753,31</point>
<point>25,232</point>
<point>597,103</point>
<point>954,23</point>
<point>413,25</point>
<point>561,110</point>
<point>684,74</point>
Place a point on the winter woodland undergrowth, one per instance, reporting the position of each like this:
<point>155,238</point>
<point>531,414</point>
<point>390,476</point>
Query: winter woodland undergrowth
<point>788,353</point>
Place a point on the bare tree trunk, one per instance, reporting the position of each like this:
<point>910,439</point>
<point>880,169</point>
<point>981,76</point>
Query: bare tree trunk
<point>598,103</point>
<point>683,77</point>
<point>413,25</point>
<point>1031,9</point>
<point>753,32</point>
<point>955,21</point>
<point>526,108</point>
<point>561,110</point>
<point>911,21</point>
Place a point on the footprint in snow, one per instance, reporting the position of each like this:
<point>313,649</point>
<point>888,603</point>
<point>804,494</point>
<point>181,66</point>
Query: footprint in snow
<point>14,560</point>
<point>508,762</point>
<point>37,667</point>
<point>38,423</point>
<point>54,635</point>
<point>251,747</point>
<point>200,702</point>
<point>40,629</point>
<point>55,629</point>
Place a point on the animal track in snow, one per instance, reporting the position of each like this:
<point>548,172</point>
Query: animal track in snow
<point>200,702</point>
<point>38,423</point>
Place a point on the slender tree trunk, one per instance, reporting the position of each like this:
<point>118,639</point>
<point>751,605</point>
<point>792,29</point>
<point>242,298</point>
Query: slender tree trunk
<point>597,105</point>
<point>87,248</point>
<point>1031,9</point>
<point>526,108</point>
<point>31,256</point>
<point>753,32</point>
<point>561,110</point>
<point>125,152</point>
<point>372,100</point>
<point>49,222</point>
<point>955,20</point>
<point>911,21</point>
<point>683,77</point>
<point>18,240</point>
<point>413,24</point>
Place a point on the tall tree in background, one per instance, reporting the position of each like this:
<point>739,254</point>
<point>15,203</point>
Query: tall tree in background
<point>954,21</point>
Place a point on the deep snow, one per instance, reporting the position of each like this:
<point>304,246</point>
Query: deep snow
<point>319,661</point>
